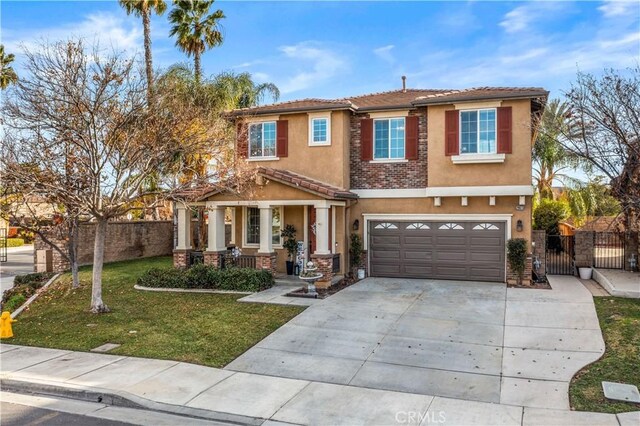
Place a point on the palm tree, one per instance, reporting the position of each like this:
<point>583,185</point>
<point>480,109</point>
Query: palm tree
<point>144,8</point>
<point>7,74</point>
<point>239,90</point>
<point>196,30</point>
<point>549,156</point>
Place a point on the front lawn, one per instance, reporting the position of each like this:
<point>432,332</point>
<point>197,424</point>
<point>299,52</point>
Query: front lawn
<point>208,329</point>
<point>620,324</point>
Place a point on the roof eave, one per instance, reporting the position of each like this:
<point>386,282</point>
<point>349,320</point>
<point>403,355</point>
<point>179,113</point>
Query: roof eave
<point>244,113</point>
<point>451,100</point>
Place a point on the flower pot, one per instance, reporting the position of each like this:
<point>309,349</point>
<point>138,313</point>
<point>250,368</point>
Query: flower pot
<point>360,273</point>
<point>585,273</point>
<point>289,267</point>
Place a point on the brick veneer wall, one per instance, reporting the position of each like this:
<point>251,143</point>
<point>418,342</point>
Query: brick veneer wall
<point>267,261</point>
<point>324,263</point>
<point>124,240</point>
<point>631,247</point>
<point>366,175</point>
<point>512,277</point>
<point>584,244</point>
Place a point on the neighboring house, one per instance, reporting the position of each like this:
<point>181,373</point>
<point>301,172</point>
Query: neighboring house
<point>435,182</point>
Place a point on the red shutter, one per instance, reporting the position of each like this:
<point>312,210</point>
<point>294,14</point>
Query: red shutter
<point>451,138</point>
<point>366,139</point>
<point>411,137</point>
<point>504,130</point>
<point>241,140</point>
<point>282,135</point>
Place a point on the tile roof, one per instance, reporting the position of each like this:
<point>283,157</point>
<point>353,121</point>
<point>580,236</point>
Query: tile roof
<point>293,179</point>
<point>396,99</point>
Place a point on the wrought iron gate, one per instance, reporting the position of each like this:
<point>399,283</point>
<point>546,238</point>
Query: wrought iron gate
<point>560,255</point>
<point>608,250</point>
<point>3,244</point>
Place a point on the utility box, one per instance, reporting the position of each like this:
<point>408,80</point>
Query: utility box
<point>44,260</point>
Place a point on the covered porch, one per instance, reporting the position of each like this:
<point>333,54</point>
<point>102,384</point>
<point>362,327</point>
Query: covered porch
<point>256,219</point>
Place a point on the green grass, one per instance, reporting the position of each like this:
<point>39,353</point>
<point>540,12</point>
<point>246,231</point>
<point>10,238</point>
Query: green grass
<point>207,329</point>
<point>620,324</point>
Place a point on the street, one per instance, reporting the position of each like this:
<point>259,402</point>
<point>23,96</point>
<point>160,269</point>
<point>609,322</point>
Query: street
<point>21,415</point>
<point>19,261</point>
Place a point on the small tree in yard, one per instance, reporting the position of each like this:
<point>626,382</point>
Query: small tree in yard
<point>355,252</point>
<point>94,106</point>
<point>517,256</point>
<point>604,133</point>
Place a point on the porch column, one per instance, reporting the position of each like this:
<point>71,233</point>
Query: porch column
<point>182,252</point>
<point>322,230</point>
<point>266,230</point>
<point>184,227</point>
<point>216,241</point>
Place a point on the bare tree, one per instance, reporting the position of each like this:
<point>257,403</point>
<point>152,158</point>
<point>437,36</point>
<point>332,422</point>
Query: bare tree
<point>604,131</point>
<point>93,104</point>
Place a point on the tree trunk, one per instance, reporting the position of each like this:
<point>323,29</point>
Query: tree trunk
<point>72,247</point>
<point>201,225</point>
<point>97,305</point>
<point>198,68</point>
<point>146,24</point>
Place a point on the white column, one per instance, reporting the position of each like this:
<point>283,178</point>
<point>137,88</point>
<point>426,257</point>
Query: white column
<point>305,233</point>
<point>216,229</point>
<point>266,229</point>
<point>322,230</point>
<point>184,228</point>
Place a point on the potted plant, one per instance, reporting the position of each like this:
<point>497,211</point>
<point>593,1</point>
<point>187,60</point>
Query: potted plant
<point>355,256</point>
<point>517,256</point>
<point>291,245</point>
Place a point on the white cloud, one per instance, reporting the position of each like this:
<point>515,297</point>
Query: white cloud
<point>612,8</point>
<point>521,18</point>
<point>314,62</point>
<point>384,53</point>
<point>108,29</point>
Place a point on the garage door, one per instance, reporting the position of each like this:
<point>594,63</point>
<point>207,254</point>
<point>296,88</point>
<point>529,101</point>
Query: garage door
<point>453,250</point>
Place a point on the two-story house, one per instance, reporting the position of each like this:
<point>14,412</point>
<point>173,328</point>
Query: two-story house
<point>434,181</point>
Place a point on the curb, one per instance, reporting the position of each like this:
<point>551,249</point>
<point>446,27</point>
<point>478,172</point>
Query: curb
<point>30,300</point>
<point>122,399</point>
<point>189,290</point>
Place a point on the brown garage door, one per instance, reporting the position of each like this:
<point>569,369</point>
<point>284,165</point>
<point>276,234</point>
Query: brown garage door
<point>445,250</point>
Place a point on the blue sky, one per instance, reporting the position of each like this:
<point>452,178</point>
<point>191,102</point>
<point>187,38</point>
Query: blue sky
<point>335,49</point>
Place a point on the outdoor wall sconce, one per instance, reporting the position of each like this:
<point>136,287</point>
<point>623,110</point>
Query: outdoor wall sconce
<point>356,225</point>
<point>519,226</point>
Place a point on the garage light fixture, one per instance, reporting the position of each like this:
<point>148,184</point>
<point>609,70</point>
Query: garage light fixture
<point>356,225</point>
<point>519,226</point>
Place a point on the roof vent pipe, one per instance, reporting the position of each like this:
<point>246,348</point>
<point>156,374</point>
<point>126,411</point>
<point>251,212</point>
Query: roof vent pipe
<point>404,83</point>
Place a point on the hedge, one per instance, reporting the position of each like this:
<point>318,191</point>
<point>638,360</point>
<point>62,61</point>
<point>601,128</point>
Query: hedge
<point>15,242</point>
<point>208,277</point>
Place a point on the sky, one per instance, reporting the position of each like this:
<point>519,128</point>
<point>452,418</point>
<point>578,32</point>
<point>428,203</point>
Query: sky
<point>338,49</point>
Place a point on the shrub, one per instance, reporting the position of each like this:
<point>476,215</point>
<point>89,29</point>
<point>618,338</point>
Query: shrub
<point>37,279</point>
<point>517,256</point>
<point>27,236</point>
<point>14,302</point>
<point>208,277</point>
<point>290,243</point>
<point>163,278</point>
<point>355,250</point>
<point>15,242</point>
<point>548,214</point>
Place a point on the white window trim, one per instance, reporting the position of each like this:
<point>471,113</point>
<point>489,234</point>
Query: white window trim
<point>323,116</point>
<point>477,158</point>
<point>244,227</point>
<point>389,159</point>
<point>477,110</point>
<point>261,157</point>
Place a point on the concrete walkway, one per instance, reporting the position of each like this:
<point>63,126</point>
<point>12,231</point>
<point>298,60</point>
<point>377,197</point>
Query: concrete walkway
<point>466,340</point>
<point>618,282</point>
<point>225,396</point>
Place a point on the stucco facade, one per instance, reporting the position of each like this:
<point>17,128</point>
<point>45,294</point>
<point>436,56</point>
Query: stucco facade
<point>329,191</point>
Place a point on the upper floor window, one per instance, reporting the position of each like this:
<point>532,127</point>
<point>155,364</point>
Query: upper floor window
<point>262,139</point>
<point>388,138</point>
<point>478,131</point>
<point>319,131</point>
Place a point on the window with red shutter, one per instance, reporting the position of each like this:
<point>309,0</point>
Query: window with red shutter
<point>412,124</point>
<point>366,139</point>
<point>451,137</point>
<point>504,126</point>
<point>282,135</point>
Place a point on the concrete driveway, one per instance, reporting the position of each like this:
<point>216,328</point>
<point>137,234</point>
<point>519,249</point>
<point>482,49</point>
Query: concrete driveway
<point>467,340</point>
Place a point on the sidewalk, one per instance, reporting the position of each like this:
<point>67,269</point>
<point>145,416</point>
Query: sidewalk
<point>253,399</point>
<point>618,282</point>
